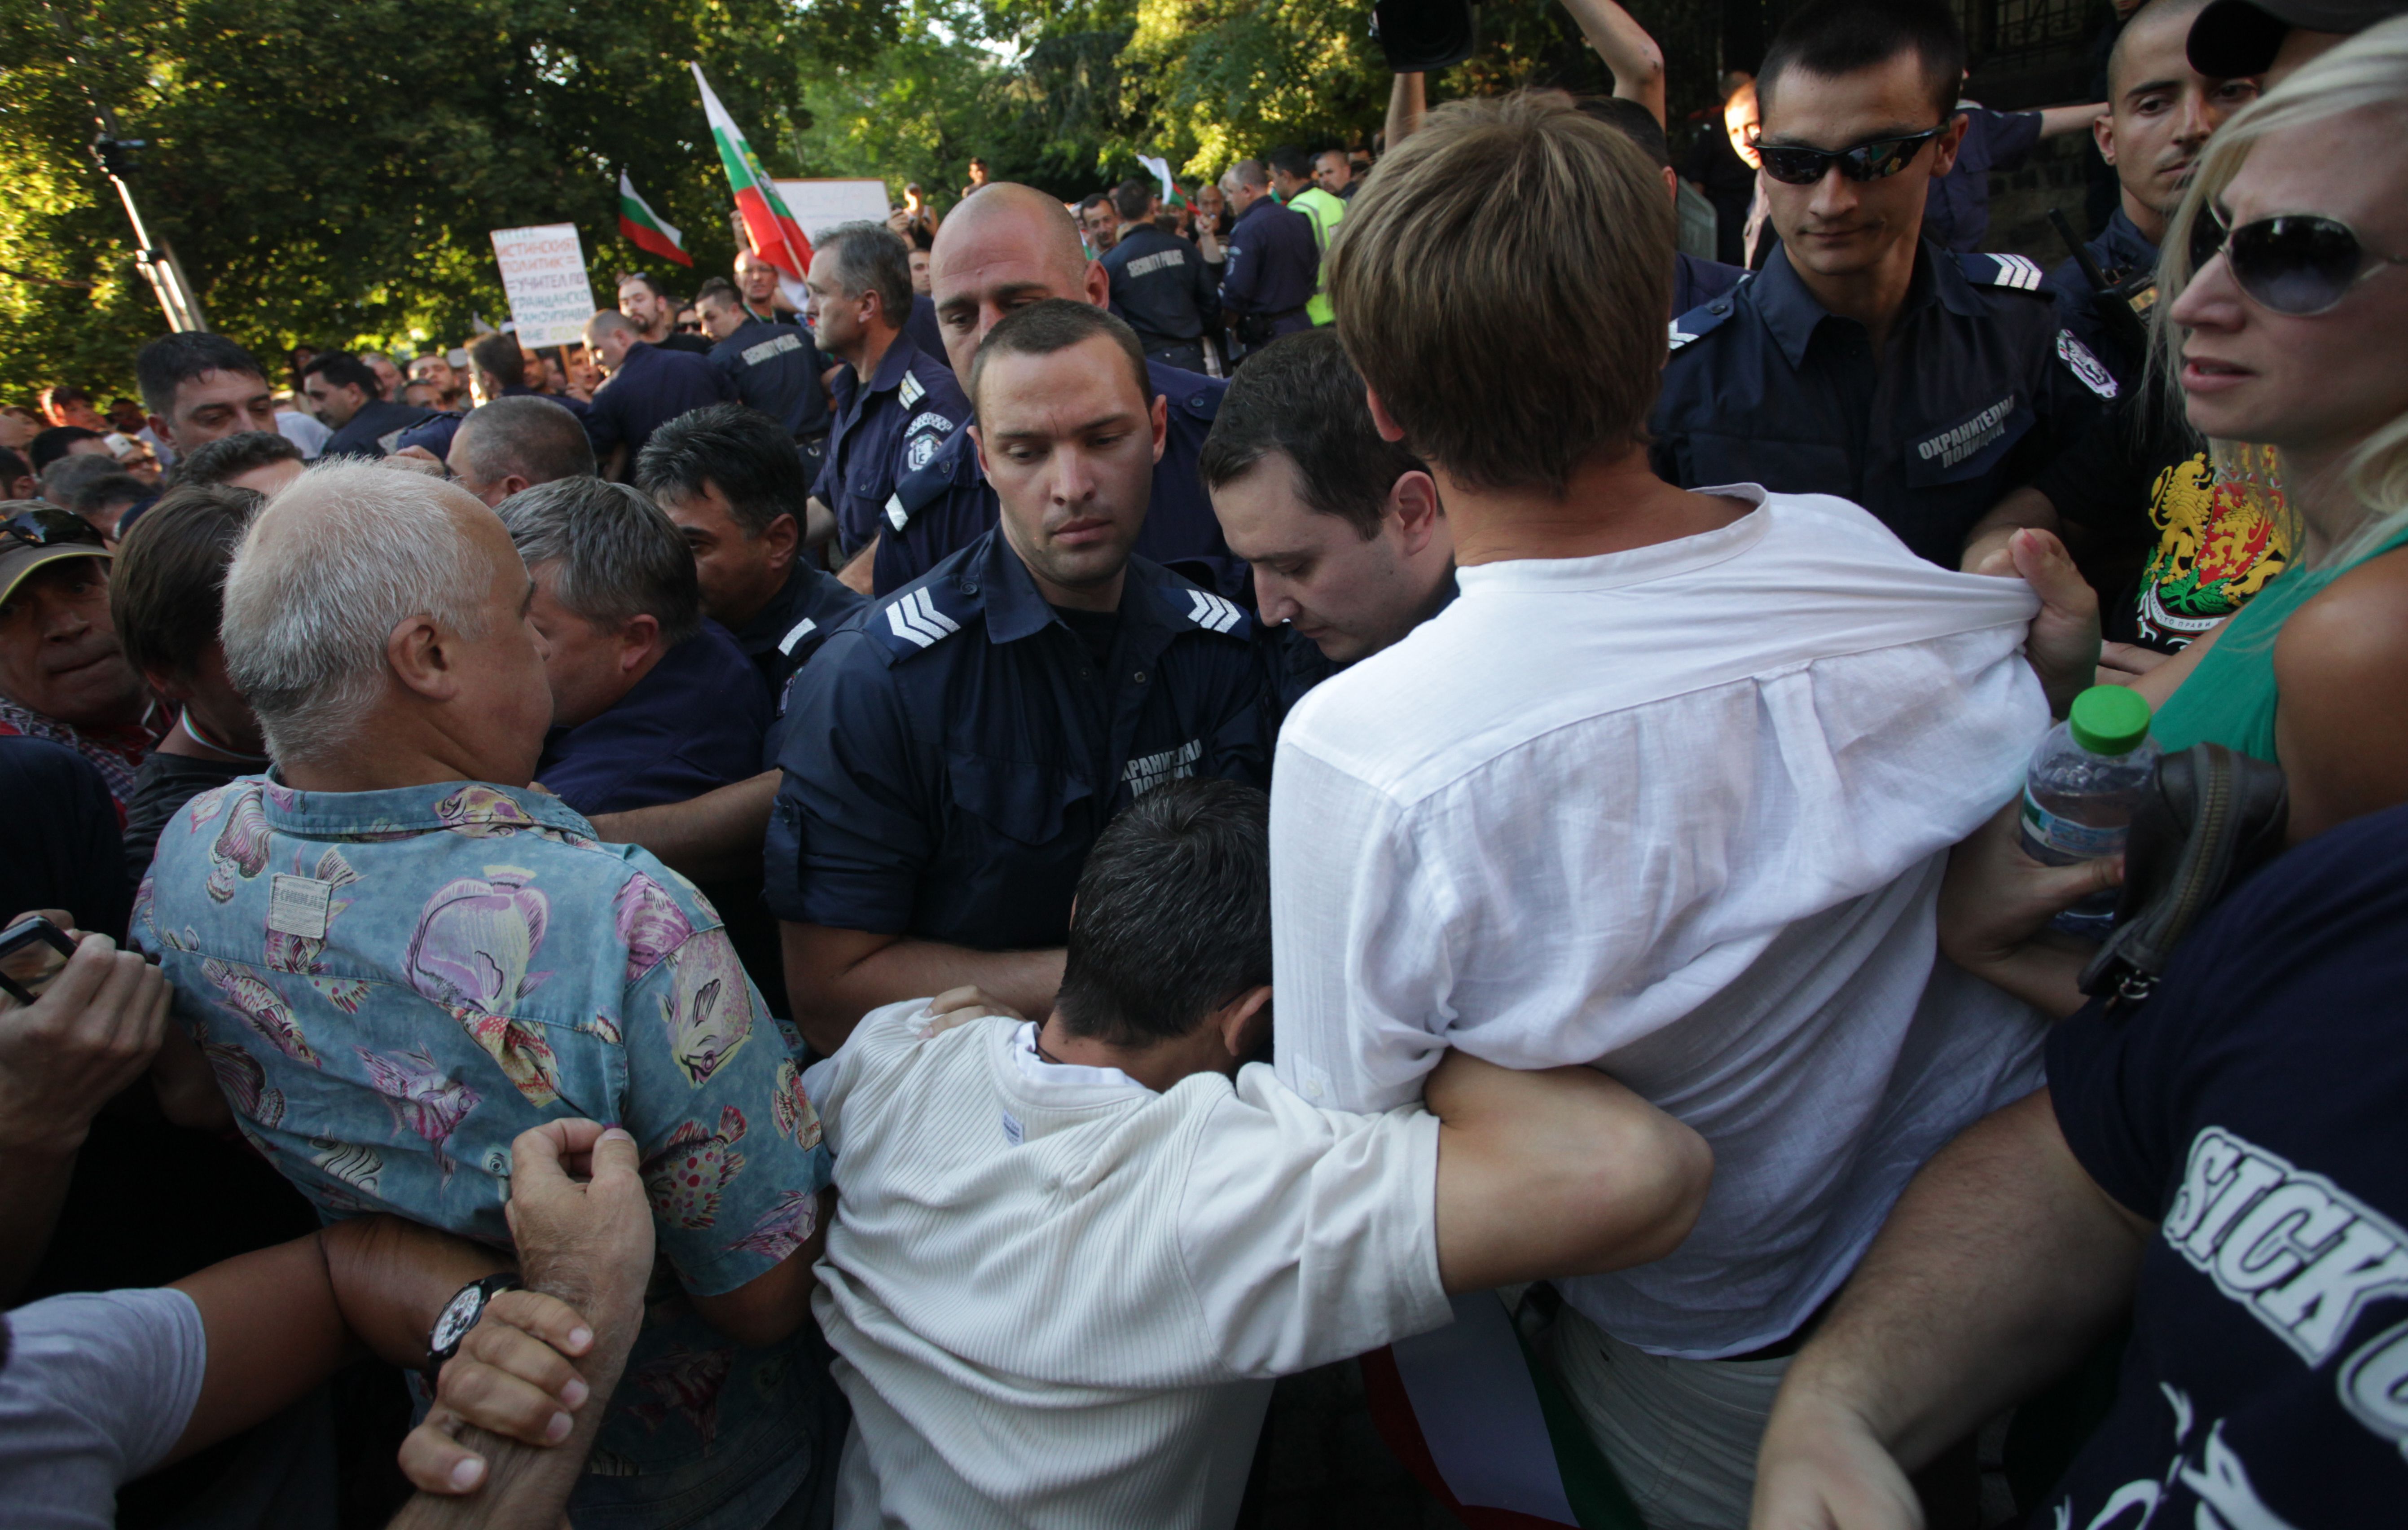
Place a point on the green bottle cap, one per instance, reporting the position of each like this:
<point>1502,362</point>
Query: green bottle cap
<point>2109,720</point>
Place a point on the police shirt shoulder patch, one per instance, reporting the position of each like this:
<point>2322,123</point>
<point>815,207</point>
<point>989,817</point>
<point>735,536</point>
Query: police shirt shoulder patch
<point>922,438</point>
<point>2016,272</point>
<point>1215,614</point>
<point>2082,364</point>
<point>918,619</point>
<point>910,392</point>
<point>1700,321</point>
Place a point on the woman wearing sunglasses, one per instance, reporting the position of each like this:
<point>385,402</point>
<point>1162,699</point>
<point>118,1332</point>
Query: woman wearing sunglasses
<point>2290,331</point>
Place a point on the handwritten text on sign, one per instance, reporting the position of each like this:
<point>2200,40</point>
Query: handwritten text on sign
<point>543,271</point>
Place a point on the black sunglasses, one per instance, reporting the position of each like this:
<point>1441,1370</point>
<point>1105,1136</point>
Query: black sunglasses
<point>2297,264</point>
<point>1801,164</point>
<point>49,527</point>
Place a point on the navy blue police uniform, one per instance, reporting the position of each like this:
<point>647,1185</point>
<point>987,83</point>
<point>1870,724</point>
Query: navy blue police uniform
<point>1982,387</point>
<point>1274,269</point>
<point>651,388</point>
<point>775,370</point>
<point>922,325</point>
<point>781,635</point>
<point>1697,282</point>
<point>1162,287</point>
<point>438,434</point>
<point>1957,208</point>
<point>882,432</point>
<point>946,504</point>
<point>950,757</point>
<point>2122,252</point>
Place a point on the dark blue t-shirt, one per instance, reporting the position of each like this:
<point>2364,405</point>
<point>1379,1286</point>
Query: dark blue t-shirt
<point>2256,1107</point>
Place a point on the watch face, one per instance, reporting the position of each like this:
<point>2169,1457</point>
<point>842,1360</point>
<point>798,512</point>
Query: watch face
<point>456,1320</point>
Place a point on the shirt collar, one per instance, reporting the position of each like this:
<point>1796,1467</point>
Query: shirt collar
<point>1015,608</point>
<point>891,367</point>
<point>479,810</point>
<point>2126,242</point>
<point>1793,312</point>
<point>773,620</point>
<point>1619,571</point>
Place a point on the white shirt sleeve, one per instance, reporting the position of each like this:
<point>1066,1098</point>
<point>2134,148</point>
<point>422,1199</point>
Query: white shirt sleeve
<point>1307,1235</point>
<point>97,1389</point>
<point>1360,947</point>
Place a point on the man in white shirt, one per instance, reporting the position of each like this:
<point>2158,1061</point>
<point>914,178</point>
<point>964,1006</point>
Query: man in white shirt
<point>1068,1259</point>
<point>1667,790</point>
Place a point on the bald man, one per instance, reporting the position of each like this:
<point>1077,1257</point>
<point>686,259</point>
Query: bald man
<point>648,388</point>
<point>1007,248</point>
<point>2160,111</point>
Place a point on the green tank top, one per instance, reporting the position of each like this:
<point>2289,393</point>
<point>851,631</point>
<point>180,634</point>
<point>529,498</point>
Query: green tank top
<point>2229,698</point>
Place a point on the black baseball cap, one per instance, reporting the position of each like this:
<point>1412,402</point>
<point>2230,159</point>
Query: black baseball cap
<point>2234,37</point>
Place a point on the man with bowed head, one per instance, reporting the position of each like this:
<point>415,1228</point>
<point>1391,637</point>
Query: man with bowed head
<point>369,949</point>
<point>1008,247</point>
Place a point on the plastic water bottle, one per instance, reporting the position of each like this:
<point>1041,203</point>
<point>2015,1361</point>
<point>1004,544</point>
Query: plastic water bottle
<point>2085,780</point>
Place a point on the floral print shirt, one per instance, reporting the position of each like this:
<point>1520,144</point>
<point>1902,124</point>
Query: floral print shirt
<point>391,986</point>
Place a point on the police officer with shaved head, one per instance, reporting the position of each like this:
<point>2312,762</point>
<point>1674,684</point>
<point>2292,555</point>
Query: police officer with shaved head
<point>951,753</point>
<point>1008,247</point>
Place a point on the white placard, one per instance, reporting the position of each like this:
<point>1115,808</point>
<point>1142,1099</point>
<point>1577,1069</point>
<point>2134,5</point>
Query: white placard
<point>824,204</point>
<point>543,272</point>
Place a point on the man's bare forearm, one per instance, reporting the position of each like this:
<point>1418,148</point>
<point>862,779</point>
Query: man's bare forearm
<point>2026,507</point>
<point>1631,56</point>
<point>392,1279</point>
<point>833,988</point>
<point>1407,101</point>
<point>2000,1267</point>
<point>713,838</point>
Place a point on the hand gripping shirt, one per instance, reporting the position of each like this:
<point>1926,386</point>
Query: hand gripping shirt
<point>391,986</point>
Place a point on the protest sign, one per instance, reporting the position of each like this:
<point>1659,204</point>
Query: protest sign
<point>543,272</point>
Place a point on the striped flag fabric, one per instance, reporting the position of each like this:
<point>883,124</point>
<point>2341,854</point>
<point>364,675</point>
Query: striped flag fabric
<point>776,237</point>
<point>647,230</point>
<point>1483,1424</point>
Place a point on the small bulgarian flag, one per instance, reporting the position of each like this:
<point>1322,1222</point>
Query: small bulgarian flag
<point>647,230</point>
<point>1482,1424</point>
<point>775,235</point>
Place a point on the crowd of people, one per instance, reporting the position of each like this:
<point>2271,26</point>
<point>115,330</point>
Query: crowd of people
<point>877,899</point>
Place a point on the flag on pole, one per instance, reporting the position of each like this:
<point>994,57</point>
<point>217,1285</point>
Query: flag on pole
<point>1161,168</point>
<point>647,230</point>
<point>776,237</point>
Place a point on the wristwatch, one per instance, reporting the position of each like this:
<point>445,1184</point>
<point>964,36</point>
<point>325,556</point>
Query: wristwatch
<point>458,1316</point>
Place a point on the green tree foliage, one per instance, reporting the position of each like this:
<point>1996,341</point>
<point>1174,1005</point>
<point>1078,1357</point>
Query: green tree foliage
<point>329,174</point>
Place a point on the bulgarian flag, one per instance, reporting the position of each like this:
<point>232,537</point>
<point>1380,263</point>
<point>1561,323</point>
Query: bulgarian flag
<point>1483,1424</point>
<point>647,230</point>
<point>776,237</point>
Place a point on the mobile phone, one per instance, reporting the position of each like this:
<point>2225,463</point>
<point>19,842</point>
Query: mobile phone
<point>26,934</point>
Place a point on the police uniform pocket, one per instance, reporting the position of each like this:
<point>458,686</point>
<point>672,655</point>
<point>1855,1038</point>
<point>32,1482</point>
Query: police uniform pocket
<point>1962,449</point>
<point>1023,802</point>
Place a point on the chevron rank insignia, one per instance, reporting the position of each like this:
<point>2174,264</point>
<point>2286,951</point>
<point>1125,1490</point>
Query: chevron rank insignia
<point>2019,272</point>
<point>910,392</point>
<point>914,622</point>
<point>1214,614</point>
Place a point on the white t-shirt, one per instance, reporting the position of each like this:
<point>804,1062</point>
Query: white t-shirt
<point>1057,1299</point>
<point>1681,812</point>
<point>97,1389</point>
<point>310,434</point>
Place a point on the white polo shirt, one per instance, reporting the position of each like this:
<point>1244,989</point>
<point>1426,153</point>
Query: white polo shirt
<point>1057,1298</point>
<point>1680,812</point>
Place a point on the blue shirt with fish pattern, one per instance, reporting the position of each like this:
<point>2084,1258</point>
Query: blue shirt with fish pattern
<point>391,986</point>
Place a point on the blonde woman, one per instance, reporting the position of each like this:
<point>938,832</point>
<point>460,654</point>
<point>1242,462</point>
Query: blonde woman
<point>2286,332</point>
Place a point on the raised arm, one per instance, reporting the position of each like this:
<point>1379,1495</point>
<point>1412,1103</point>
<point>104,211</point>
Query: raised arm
<point>1408,99</point>
<point>1556,1173</point>
<point>2000,1264</point>
<point>1628,52</point>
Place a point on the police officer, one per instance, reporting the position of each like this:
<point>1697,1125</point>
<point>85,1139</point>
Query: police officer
<point>774,367</point>
<point>1863,361</point>
<point>1292,177</point>
<point>893,423</point>
<point>2160,112</point>
<point>1159,283</point>
<point>1274,264</point>
<point>951,755</point>
<point>728,478</point>
<point>1010,246</point>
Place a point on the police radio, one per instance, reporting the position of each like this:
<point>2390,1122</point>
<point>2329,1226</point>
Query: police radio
<point>2123,299</point>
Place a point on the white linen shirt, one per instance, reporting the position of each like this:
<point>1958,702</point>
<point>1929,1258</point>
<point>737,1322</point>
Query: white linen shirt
<point>1057,1298</point>
<point>1680,812</point>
